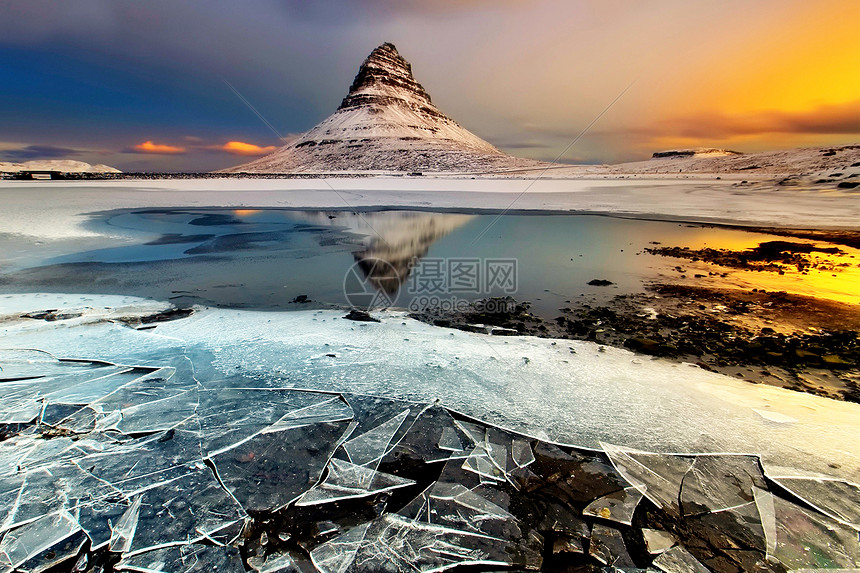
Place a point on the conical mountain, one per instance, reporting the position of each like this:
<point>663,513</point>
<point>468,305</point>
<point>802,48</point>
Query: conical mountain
<point>387,122</point>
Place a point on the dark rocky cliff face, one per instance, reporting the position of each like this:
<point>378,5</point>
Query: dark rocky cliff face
<point>384,68</point>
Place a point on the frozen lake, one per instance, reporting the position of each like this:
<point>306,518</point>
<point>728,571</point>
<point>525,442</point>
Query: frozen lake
<point>265,258</point>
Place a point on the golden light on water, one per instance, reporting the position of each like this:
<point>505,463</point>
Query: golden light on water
<point>836,278</point>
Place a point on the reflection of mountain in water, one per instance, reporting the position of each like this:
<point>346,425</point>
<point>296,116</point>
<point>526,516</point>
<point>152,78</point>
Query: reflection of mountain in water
<point>396,237</point>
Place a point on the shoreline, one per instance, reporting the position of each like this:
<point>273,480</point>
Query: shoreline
<point>718,330</point>
<point>56,210</point>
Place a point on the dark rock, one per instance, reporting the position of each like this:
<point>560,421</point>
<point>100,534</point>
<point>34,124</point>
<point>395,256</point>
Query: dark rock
<point>600,282</point>
<point>52,315</point>
<point>848,184</point>
<point>360,316</point>
<point>164,316</point>
<point>302,298</point>
<point>642,344</point>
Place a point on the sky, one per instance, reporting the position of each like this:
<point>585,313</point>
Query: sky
<point>146,85</point>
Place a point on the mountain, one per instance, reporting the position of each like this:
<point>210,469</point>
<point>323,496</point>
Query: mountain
<point>387,122</point>
<point>63,165</point>
<point>399,238</point>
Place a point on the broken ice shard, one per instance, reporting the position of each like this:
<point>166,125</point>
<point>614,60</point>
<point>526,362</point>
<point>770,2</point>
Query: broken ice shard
<point>347,481</point>
<point>42,543</point>
<point>678,560</point>
<point>395,543</point>
<point>834,498</point>
<point>185,558</point>
<point>618,506</point>
<point>123,533</point>
<point>803,539</point>
<point>719,482</point>
<point>657,476</point>
<point>607,546</point>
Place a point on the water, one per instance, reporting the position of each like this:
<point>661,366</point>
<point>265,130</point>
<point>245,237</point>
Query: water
<point>266,258</point>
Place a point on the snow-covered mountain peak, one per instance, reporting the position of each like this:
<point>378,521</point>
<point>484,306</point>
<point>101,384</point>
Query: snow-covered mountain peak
<point>387,122</point>
<point>385,73</point>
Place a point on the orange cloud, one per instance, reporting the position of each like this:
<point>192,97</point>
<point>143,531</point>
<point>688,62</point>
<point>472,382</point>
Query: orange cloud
<point>832,124</point>
<point>826,119</point>
<point>242,148</point>
<point>159,148</point>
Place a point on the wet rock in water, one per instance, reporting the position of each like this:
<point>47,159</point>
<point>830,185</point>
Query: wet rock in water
<point>501,331</point>
<point>51,315</point>
<point>600,282</point>
<point>155,318</point>
<point>773,256</point>
<point>302,298</point>
<point>360,316</point>
<point>172,314</point>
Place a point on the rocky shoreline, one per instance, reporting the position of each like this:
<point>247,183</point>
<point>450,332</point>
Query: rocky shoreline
<point>796,342</point>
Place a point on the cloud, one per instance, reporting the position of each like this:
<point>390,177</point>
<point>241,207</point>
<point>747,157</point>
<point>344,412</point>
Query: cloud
<point>158,148</point>
<point>518,143</point>
<point>833,119</point>
<point>38,152</point>
<point>248,149</point>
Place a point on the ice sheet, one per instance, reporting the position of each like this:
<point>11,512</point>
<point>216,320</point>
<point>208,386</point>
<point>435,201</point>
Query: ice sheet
<point>191,437</point>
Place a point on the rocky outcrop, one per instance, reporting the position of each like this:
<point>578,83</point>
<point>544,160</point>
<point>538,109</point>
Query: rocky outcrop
<point>387,122</point>
<point>702,152</point>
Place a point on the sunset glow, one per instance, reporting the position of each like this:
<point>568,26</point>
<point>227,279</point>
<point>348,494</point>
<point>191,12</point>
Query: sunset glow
<point>249,149</point>
<point>150,147</point>
<point>526,76</point>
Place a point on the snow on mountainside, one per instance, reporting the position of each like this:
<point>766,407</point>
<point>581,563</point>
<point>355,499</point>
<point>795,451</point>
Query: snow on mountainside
<point>63,165</point>
<point>387,122</point>
<point>822,161</point>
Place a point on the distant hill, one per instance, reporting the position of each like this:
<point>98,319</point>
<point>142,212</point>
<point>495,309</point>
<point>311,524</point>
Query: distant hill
<point>702,152</point>
<point>61,165</point>
<point>807,160</point>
